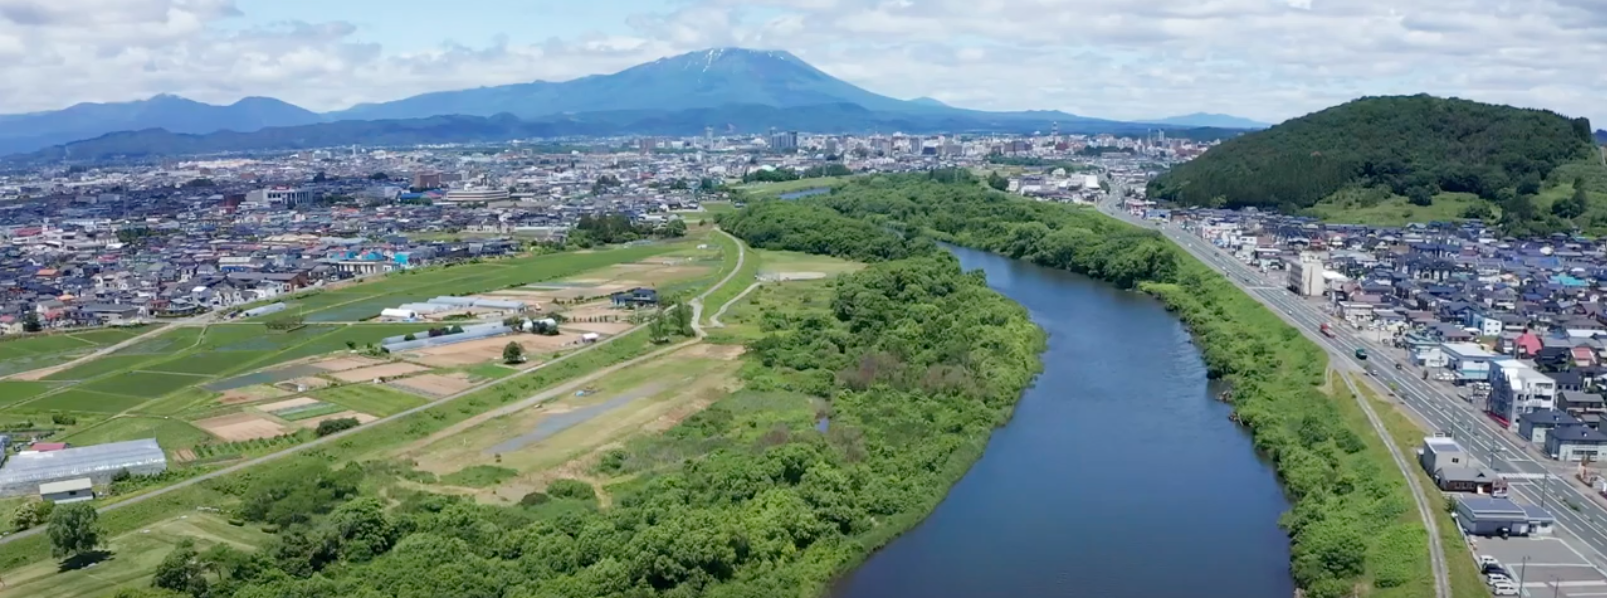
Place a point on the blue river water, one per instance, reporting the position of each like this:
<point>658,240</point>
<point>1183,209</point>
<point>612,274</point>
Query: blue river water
<point>1118,477</point>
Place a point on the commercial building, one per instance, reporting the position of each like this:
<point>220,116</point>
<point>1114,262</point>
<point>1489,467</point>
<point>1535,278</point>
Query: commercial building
<point>278,197</point>
<point>1491,516</point>
<point>26,471</point>
<point>68,491</point>
<point>1470,362</point>
<point>476,195</point>
<point>1576,443</point>
<point>1306,276</point>
<point>1454,470</point>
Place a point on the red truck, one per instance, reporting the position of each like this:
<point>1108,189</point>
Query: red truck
<point>1326,331</point>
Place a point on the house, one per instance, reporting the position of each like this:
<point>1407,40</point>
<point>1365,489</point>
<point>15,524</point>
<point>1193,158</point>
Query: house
<point>68,491</point>
<point>1470,362</point>
<point>1577,402</point>
<point>1490,516</point>
<point>1535,425</point>
<point>1575,443</point>
<point>637,297</point>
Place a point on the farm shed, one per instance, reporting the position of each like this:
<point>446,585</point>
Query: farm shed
<point>470,333</point>
<point>397,314</point>
<point>25,472</point>
<point>263,311</point>
<point>426,308</point>
<point>68,491</point>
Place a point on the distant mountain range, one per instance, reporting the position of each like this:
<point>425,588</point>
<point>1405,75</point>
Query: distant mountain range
<point>1601,137</point>
<point>730,89</point>
<point>1206,119</point>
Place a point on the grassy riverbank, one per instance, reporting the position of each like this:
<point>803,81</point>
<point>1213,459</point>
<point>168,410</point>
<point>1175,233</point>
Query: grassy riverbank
<point>1350,523</point>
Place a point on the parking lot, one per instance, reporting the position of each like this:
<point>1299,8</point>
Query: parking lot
<point>1552,568</point>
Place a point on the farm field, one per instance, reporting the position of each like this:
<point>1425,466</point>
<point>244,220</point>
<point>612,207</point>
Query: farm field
<point>101,366</point>
<point>134,556</point>
<point>170,433</point>
<point>77,399</point>
<point>147,385</point>
<point>778,263</point>
<point>34,352</point>
<point>370,398</point>
<point>12,391</point>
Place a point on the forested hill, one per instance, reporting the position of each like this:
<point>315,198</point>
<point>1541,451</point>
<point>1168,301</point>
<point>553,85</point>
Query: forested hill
<point>1415,146</point>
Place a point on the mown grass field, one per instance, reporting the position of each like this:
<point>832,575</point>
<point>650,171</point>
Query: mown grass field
<point>775,262</point>
<point>134,557</point>
<point>170,433</point>
<point>1394,210</point>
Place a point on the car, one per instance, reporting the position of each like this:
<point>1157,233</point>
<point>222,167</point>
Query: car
<point>1496,579</point>
<point>1505,589</point>
<point>1485,560</point>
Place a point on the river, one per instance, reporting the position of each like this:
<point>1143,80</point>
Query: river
<point>1119,476</point>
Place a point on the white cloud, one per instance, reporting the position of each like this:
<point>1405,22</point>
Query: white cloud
<point>1265,59</point>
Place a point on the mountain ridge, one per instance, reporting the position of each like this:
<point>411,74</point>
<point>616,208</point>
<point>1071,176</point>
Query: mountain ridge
<point>1209,119</point>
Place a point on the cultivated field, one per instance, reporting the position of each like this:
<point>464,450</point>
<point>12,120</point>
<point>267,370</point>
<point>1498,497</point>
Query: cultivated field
<point>242,426</point>
<point>435,385</point>
<point>389,370</point>
<point>27,353</point>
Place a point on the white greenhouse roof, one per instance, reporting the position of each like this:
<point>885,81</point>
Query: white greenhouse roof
<point>29,468</point>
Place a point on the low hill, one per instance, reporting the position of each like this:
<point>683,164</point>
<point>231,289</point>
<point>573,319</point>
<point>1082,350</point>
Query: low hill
<point>28,132</point>
<point>1412,146</point>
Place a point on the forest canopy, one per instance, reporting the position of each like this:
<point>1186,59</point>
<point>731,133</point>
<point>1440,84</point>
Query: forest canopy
<point>1414,146</point>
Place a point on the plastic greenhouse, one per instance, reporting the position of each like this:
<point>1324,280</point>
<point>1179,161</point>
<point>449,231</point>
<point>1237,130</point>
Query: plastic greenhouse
<point>24,472</point>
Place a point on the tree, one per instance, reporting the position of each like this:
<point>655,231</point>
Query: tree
<point>331,426</point>
<point>1575,205</point>
<point>1420,196</point>
<point>181,570</point>
<point>675,228</point>
<point>409,337</point>
<point>319,177</point>
<point>379,176</point>
<point>74,529</point>
<point>998,182</point>
<point>33,513</point>
<point>30,321</point>
<point>513,353</point>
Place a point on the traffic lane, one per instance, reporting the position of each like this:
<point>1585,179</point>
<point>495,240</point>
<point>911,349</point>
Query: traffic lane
<point>1539,562</point>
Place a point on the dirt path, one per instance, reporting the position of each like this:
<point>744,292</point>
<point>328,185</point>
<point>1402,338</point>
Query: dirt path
<point>714,320</point>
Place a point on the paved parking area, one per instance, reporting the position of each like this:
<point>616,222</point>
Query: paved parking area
<point>1553,568</point>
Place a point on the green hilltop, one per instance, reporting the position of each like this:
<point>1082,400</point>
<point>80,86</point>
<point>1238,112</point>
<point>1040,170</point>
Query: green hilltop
<point>1389,160</point>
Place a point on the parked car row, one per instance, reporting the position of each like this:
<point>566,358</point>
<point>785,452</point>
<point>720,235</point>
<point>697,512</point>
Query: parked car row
<point>1497,575</point>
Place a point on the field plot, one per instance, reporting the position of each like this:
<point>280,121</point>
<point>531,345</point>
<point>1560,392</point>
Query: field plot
<point>172,434</point>
<point>489,371</point>
<point>341,364</point>
<point>312,422</point>
<point>147,385</point>
<point>12,391</point>
<point>389,370</point>
<point>257,338</point>
<point>109,336</point>
<point>207,364</point>
<point>76,399</point>
<point>490,349</point>
<point>368,398</point>
<point>356,334</point>
<point>179,402</point>
<point>167,343</point>
<point>135,556</point>
<point>259,392</point>
<point>32,353</point>
<point>242,426</point>
<point>101,366</point>
<point>792,265</point>
<point>436,385</point>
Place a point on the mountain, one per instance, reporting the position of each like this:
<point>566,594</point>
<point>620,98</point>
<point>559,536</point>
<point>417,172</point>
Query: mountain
<point>1601,137</point>
<point>704,79</point>
<point>28,132</point>
<point>1415,146</point>
<point>929,102</point>
<point>1206,119</point>
<point>744,118</point>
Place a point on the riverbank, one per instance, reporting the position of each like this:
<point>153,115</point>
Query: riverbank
<point>1352,522</point>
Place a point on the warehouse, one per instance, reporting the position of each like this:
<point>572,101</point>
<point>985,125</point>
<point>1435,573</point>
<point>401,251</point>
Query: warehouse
<point>1489,516</point>
<point>25,472</point>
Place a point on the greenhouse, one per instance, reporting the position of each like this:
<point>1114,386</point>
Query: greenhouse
<point>262,311</point>
<point>25,471</point>
<point>470,333</point>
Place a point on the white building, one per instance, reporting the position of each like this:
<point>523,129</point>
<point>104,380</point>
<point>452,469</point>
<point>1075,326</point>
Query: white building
<point>1516,389</point>
<point>1306,276</point>
<point>276,197</point>
<point>476,195</point>
<point>68,491</point>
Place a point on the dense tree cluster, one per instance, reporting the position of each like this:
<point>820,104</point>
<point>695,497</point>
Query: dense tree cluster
<point>613,228</point>
<point>777,175</point>
<point>1414,146</point>
<point>812,228</point>
<point>1349,519</point>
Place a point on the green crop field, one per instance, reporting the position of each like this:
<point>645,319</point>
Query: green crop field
<point>370,399</point>
<point>172,341</point>
<point>180,402</point>
<point>489,371</point>
<point>308,411</point>
<point>358,334</point>
<point>21,354</point>
<point>170,433</point>
<point>147,385</point>
<point>208,364</point>
<point>41,345</point>
<point>77,399</point>
<point>101,366</point>
<point>109,336</point>
<point>12,391</point>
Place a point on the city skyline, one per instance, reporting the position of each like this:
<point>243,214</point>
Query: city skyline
<point>1262,59</point>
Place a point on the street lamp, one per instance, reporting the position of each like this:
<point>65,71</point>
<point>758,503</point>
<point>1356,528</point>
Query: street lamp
<point>1523,568</point>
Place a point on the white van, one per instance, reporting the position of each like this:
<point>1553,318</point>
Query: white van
<point>1504,589</point>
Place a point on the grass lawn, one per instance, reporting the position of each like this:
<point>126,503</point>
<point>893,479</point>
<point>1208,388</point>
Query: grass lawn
<point>370,399</point>
<point>12,391</point>
<point>207,363</point>
<point>771,262</point>
<point>1360,207</point>
<point>742,320</point>
<point>170,433</point>
<point>1466,580</point>
<point>778,188</point>
<point>488,371</point>
<point>478,476</point>
<point>76,399</point>
<point>134,556</point>
<point>100,366</point>
<point>147,385</point>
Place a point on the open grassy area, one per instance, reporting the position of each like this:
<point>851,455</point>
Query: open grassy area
<point>170,433</point>
<point>370,398</point>
<point>776,262</point>
<point>777,188</point>
<point>1466,580</point>
<point>77,399</point>
<point>742,321</point>
<point>733,287</point>
<point>14,391</point>
<point>1383,209</point>
<point>478,476</point>
<point>489,371</point>
<point>134,556</point>
<point>148,385</point>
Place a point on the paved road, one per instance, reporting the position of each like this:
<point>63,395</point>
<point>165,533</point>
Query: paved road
<point>697,304</point>
<point>1535,479</point>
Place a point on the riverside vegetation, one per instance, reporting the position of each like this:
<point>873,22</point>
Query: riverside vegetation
<point>772,507</point>
<point>1351,523</point>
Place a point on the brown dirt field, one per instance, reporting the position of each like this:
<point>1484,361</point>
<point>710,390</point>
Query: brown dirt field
<point>312,422</point>
<point>309,382</point>
<point>248,394</point>
<point>481,351</point>
<point>389,370</point>
<point>281,405</point>
<point>241,426</point>
<point>435,384</point>
<point>341,364</point>
<point>32,375</point>
<point>722,352</point>
<point>184,455</point>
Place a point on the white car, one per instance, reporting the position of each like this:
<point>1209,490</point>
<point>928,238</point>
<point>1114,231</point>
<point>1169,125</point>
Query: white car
<point>1505,589</point>
<point>1495,578</point>
<point>1486,560</point>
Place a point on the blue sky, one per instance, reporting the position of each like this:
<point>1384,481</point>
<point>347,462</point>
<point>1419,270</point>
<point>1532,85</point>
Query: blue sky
<point>1262,59</point>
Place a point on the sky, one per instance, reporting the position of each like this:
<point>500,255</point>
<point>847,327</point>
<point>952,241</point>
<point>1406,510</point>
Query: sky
<point>1263,59</point>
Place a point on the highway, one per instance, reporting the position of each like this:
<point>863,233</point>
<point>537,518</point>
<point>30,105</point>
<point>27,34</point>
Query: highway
<point>1534,478</point>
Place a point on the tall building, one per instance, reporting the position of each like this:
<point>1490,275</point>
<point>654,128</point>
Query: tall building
<point>1306,277</point>
<point>784,141</point>
<point>287,197</point>
<point>427,180</point>
<point>708,136</point>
